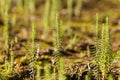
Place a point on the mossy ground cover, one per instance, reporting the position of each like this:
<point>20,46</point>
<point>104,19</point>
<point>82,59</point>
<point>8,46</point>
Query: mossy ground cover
<point>32,38</point>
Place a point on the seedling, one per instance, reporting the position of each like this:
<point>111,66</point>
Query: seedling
<point>58,45</point>
<point>103,51</point>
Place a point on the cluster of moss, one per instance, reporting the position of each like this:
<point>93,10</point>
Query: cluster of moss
<point>103,49</point>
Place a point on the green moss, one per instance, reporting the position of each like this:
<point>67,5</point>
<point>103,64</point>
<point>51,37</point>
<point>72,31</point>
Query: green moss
<point>47,71</point>
<point>57,44</point>
<point>103,50</point>
<point>110,77</point>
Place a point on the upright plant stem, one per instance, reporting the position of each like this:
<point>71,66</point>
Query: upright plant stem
<point>38,72</point>
<point>53,11</point>
<point>78,7</point>
<point>19,5</point>
<point>97,38</point>
<point>46,18</point>
<point>69,6</point>
<point>33,36</point>
<point>47,71</point>
<point>29,9</point>
<point>103,53</point>
<point>58,44</point>
<point>11,61</point>
<point>5,31</point>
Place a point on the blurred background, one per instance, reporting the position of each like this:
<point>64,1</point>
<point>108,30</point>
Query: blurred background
<point>77,18</point>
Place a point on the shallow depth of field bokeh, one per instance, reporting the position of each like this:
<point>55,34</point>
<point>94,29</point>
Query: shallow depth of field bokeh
<point>59,39</point>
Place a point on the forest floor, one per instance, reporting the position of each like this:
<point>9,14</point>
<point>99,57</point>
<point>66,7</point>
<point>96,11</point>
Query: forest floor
<point>79,57</point>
